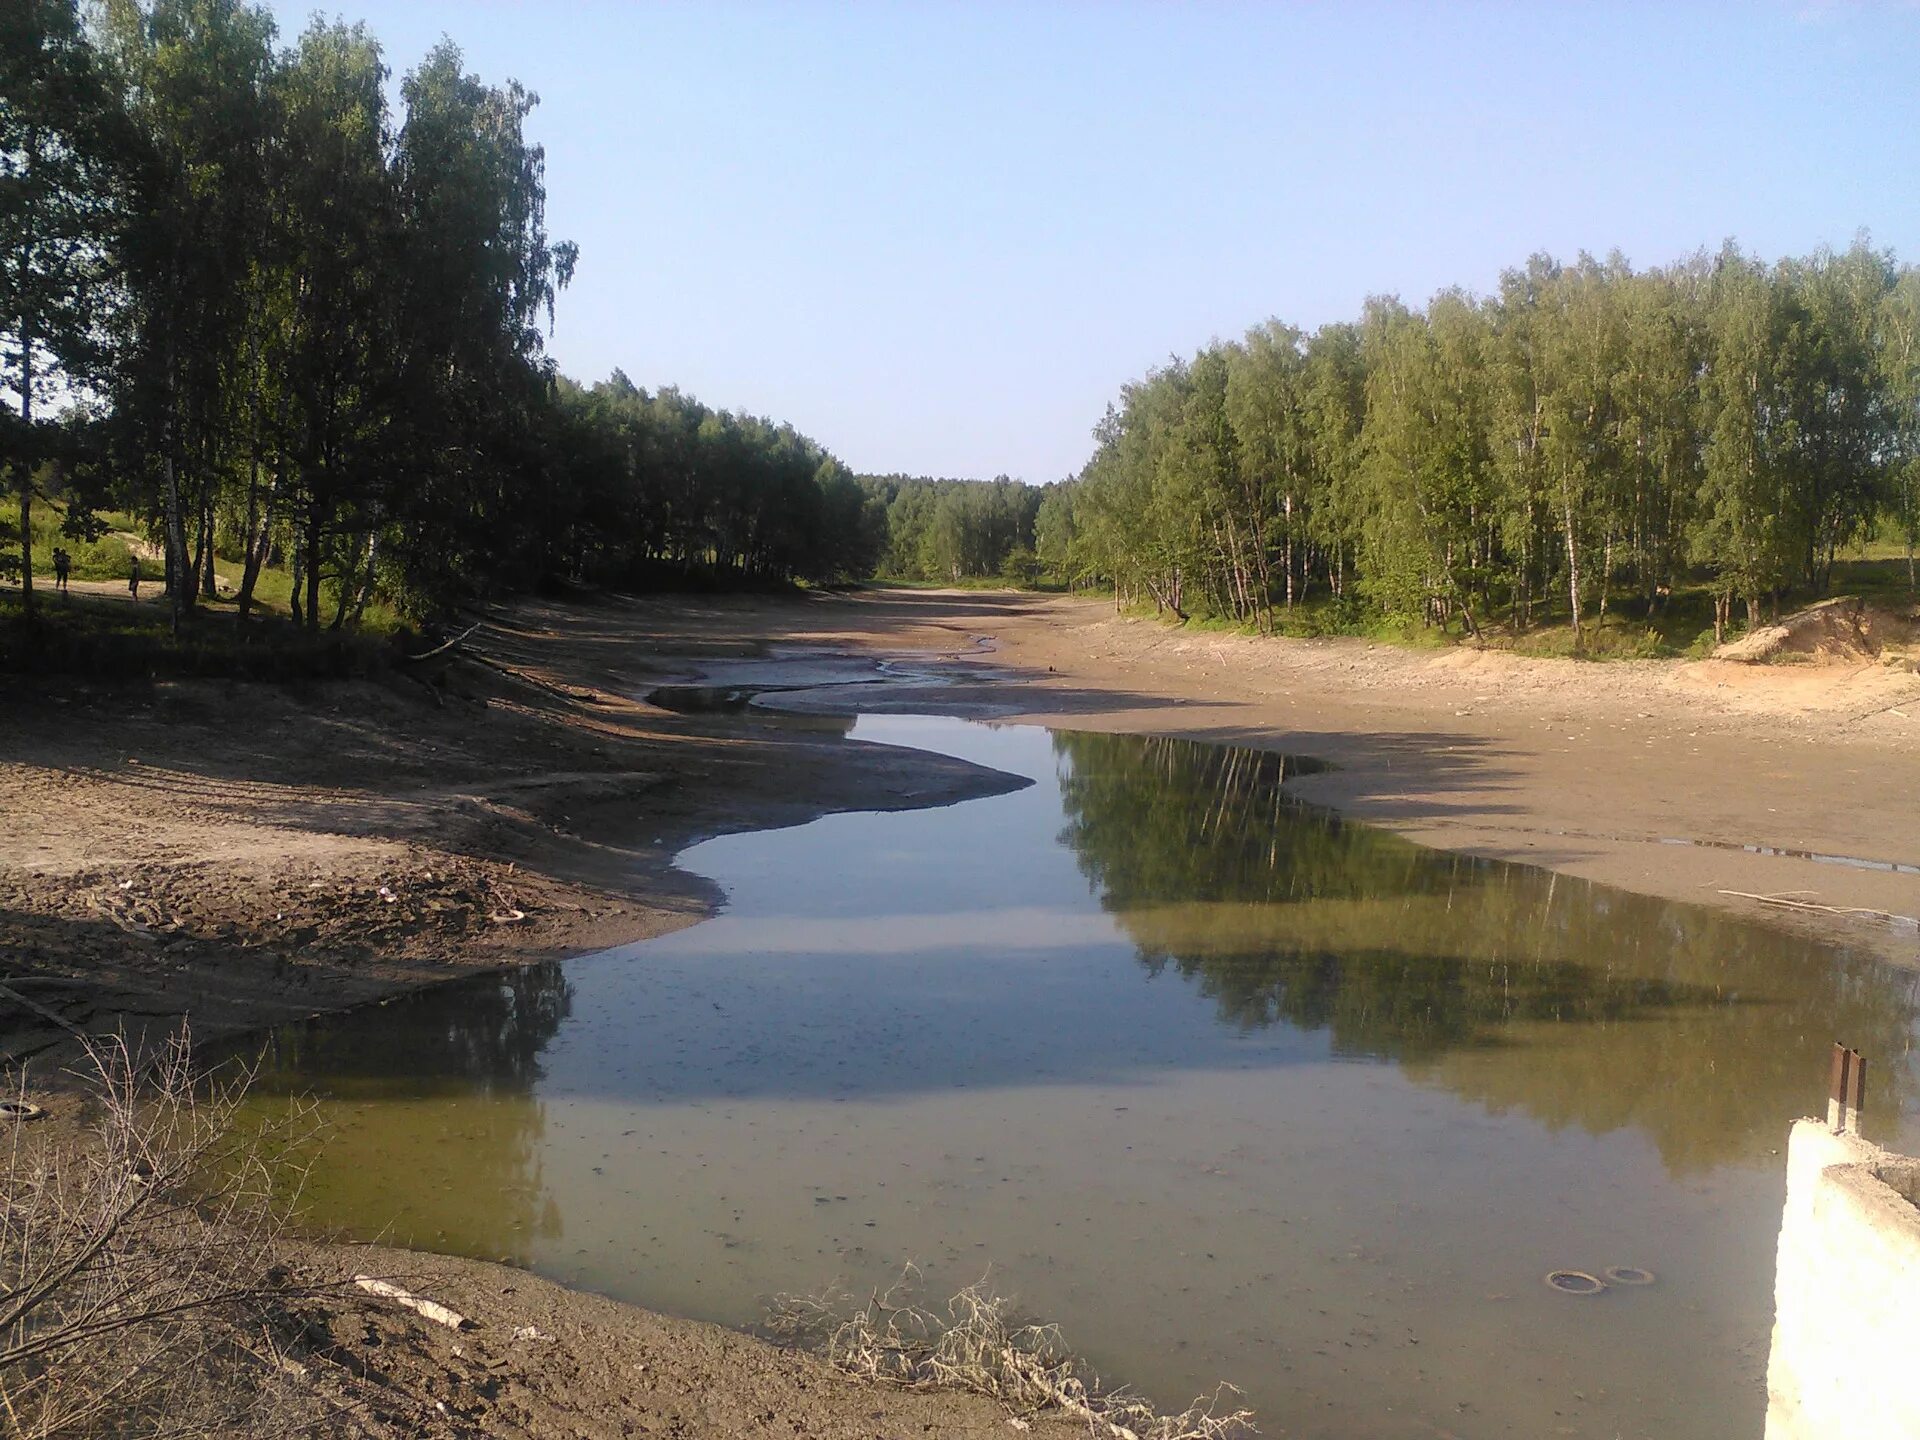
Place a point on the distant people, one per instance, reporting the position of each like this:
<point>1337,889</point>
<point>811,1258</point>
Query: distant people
<point>62,568</point>
<point>133,576</point>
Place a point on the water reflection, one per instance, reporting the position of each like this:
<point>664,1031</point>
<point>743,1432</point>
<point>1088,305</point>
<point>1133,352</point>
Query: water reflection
<point>1337,1101</point>
<point>1579,1004</point>
<point>490,1040</point>
<point>454,1156</point>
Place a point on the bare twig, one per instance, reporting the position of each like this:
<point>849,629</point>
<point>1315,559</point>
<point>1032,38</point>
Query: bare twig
<point>135,1261</point>
<point>1785,901</point>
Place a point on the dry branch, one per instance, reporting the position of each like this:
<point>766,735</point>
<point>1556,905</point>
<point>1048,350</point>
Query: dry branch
<point>1786,901</point>
<point>7,992</point>
<point>444,645</point>
<point>136,1261</point>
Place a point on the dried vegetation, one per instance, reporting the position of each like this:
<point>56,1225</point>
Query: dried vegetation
<point>145,1274</point>
<point>974,1343</point>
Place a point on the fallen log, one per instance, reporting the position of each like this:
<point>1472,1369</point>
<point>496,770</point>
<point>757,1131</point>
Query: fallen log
<point>7,992</point>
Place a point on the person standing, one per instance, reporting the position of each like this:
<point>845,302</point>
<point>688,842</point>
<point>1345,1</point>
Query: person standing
<point>62,567</point>
<point>133,576</point>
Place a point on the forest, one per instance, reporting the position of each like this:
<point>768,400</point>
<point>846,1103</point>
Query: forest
<point>952,531</point>
<point>286,343</point>
<point>252,322</point>
<point>1588,439</point>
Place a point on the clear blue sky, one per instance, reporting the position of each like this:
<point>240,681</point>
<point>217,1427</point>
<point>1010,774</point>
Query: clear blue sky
<point>938,237</point>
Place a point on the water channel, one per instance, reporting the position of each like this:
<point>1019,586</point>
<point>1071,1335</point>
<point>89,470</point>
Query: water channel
<point>1229,1088</point>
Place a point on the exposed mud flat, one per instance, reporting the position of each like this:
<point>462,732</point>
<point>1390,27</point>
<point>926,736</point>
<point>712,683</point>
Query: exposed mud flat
<point>545,1361</point>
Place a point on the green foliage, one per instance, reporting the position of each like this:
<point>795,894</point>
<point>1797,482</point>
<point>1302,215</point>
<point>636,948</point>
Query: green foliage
<point>1608,457</point>
<point>101,555</point>
<point>666,490</point>
<point>302,338</point>
<point>954,531</point>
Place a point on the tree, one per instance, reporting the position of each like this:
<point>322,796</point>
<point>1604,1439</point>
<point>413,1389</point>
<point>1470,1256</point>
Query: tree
<point>60,187</point>
<point>479,276</point>
<point>1899,363</point>
<point>332,353</point>
<point>1745,535</point>
<point>195,77</point>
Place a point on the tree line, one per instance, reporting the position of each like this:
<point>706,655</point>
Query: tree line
<point>1587,437</point>
<point>244,302</point>
<point>952,530</point>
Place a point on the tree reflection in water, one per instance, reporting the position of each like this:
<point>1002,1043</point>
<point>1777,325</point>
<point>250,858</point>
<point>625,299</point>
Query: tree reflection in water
<point>1511,986</point>
<point>424,1089</point>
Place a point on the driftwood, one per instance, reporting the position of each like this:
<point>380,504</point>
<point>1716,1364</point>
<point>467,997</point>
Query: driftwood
<point>1787,902</point>
<point>420,1305</point>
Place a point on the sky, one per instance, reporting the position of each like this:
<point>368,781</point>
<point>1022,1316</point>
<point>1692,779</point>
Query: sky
<point>938,238</point>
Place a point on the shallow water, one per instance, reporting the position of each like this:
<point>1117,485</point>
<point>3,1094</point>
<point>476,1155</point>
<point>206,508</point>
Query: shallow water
<point>1229,1088</point>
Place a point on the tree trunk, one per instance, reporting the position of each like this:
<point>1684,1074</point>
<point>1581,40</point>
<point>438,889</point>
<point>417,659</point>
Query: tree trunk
<point>250,559</point>
<point>178,593</point>
<point>209,578</point>
<point>202,544</point>
<point>1287,505</point>
<point>366,581</point>
<point>1606,581</point>
<point>176,543</point>
<point>1573,566</point>
<point>23,468</point>
<point>312,618</point>
<point>1908,496</point>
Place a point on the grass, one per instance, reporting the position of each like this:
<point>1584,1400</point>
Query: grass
<point>108,558</point>
<point>1681,627</point>
<point>106,635</point>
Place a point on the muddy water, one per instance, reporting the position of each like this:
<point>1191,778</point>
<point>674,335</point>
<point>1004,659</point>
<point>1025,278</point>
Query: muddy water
<point>1230,1089</point>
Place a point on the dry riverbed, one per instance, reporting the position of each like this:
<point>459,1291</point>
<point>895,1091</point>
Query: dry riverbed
<point>243,854</point>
